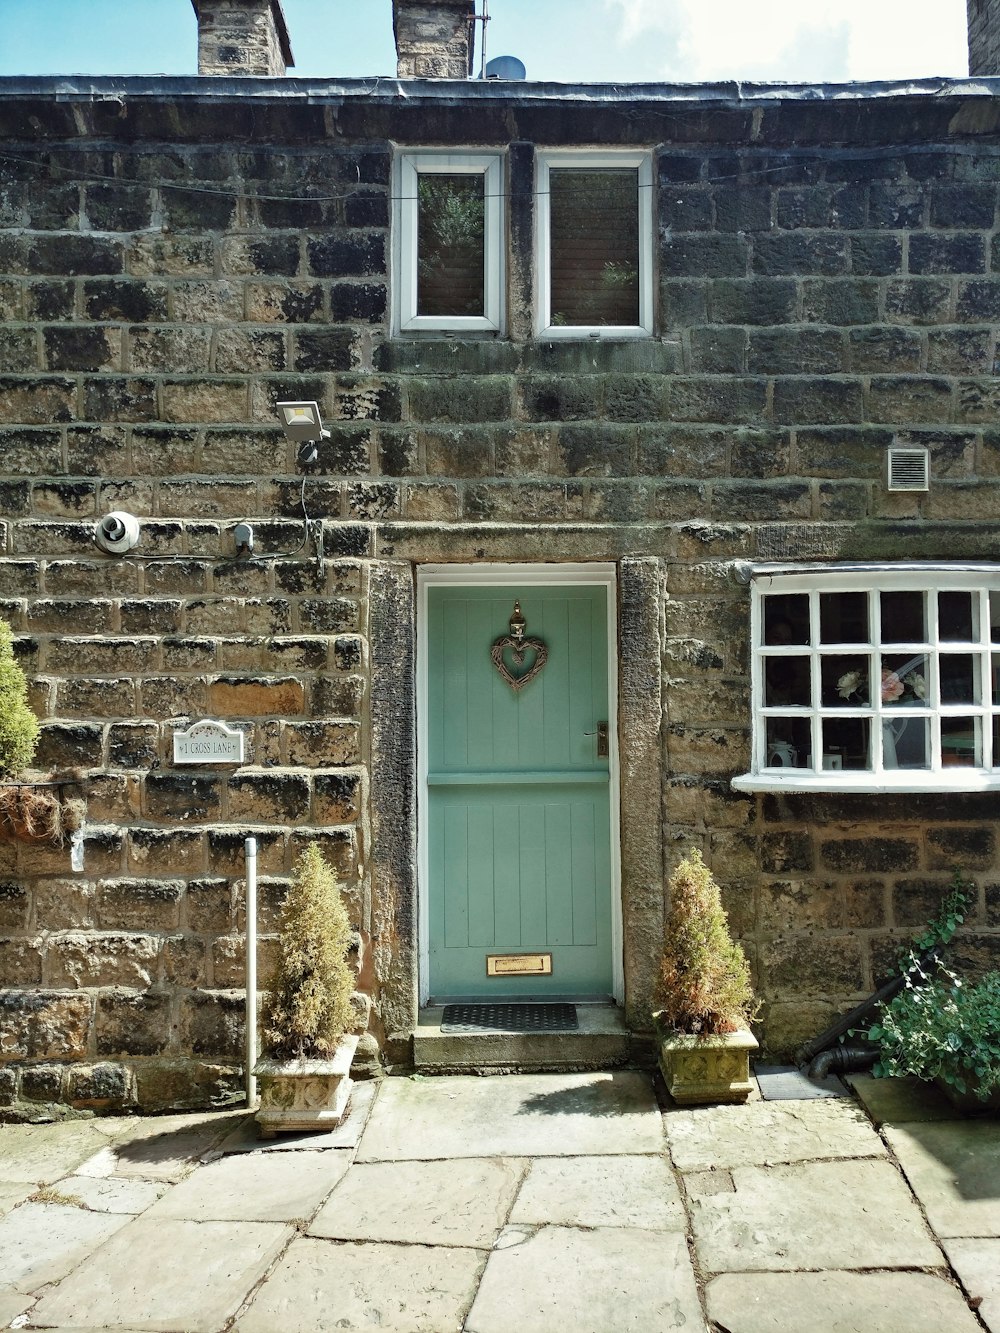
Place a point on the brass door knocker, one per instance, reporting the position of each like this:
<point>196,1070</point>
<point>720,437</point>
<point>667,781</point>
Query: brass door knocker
<point>517,674</point>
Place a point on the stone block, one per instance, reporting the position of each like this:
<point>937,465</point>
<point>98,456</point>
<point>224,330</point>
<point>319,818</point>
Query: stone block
<point>876,255</point>
<point>130,300</point>
<point>184,962</point>
<point>80,961</point>
<point>358,302</point>
<point>175,795</point>
<point>256,696</point>
<point>322,744</point>
<point>37,1025</point>
<point>63,904</point>
<point>274,797</point>
<point>130,1024</point>
<point>20,962</point>
<point>212,1024</point>
<point>787,252</point>
<point>699,255</point>
<point>102,1086</point>
<point>813,967</point>
<point>971,848</point>
<point>880,349</point>
<point>872,855</point>
<point>839,301</point>
<point>41,1083</point>
<point>805,401</point>
<point>795,351</point>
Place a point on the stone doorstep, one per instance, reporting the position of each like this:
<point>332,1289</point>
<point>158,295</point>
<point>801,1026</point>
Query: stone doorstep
<point>602,1041</point>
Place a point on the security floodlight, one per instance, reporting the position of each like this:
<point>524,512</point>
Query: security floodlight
<point>302,421</point>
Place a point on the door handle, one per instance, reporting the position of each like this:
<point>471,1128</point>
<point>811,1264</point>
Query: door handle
<point>601,733</point>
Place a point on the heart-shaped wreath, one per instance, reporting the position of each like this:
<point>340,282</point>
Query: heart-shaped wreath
<point>517,674</point>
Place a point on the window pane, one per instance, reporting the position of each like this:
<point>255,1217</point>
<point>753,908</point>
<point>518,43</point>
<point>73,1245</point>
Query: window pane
<point>995,617</point>
<point>786,620</point>
<point>451,244</point>
<point>844,681</point>
<point>996,741</point>
<point>845,743</point>
<point>956,617</point>
<point>843,617</point>
<point>961,743</point>
<point>594,246</point>
<point>787,742</point>
<point>958,678</point>
<point>903,617</point>
<point>786,681</point>
<point>995,674</point>
<point>906,743</point>
<point>903,679</point>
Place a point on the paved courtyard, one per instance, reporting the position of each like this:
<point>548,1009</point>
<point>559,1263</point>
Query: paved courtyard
<point>528,1203</point>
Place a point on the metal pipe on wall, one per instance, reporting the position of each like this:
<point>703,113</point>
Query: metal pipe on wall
<point>250,849</point>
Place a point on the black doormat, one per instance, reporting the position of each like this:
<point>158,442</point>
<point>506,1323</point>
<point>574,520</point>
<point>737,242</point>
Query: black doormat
<point>509,1018</point>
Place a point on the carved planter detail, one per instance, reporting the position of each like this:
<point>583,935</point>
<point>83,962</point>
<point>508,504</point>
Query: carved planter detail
<point>707,1069</point>
<point>297,1096</point>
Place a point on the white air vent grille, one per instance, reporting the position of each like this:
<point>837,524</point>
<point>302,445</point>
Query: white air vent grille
<point>908,469</point>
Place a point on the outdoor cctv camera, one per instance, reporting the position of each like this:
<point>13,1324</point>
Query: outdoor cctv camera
<point>117,532</point>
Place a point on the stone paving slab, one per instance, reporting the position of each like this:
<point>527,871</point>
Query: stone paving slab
<point>165,1275</point>
<point>462,1203</point>
<point>13,1194</point>
<point>246,1138</point>
<point>532,1115</point>
<point>954,1169</point>
<point>42,1242</point>
<point>605,1280</point>
<point>251,1188</point>
<point>837,1303</point>
<point>977,1263</point>
<point>723,1137</point>
<point>895,1101</point>
<point>40,1154</point>
<point>787,1083</point>
<point>13,1303</point>
<point>163,1148</point>
<point>321,1285</point>
<point>815,1215</point>
<point>636,1192</point>
<point>111,1194</point>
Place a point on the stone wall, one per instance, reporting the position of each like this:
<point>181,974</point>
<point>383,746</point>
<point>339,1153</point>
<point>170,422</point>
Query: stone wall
<point>984,37</point>
<point>171,267</point>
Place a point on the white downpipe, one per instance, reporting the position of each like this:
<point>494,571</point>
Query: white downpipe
<point>250,847</point>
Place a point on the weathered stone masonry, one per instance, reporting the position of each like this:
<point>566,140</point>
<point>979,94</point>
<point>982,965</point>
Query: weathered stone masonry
<point>175,260</point>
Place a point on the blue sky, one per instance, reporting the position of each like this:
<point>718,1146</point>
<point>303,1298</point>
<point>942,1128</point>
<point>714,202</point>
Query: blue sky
<point>562,40</point>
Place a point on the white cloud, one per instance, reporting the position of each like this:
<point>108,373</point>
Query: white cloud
<point>788,39</point>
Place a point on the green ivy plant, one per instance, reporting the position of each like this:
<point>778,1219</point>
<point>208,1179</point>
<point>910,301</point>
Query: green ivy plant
<point>942,1029</point>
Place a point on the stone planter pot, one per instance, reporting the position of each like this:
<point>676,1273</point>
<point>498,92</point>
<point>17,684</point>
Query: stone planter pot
<point>968,1102</point>
<point>298,1096</point>
<point>707,1069</point>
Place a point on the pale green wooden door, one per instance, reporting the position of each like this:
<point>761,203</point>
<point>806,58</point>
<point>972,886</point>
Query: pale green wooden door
<point>518,802</point>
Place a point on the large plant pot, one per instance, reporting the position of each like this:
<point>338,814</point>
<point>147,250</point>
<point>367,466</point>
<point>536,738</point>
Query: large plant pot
<point>969,1102</point>
<point>707,1069</point>
<point>297,1096</point>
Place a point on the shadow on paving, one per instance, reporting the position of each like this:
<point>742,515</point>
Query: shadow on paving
<point>603,1098</point>
<point>187,1141</point>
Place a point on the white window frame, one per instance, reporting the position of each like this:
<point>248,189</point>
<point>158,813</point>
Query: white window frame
<point>978,579</point>
<point>409,167</point>
<point>545,161</point>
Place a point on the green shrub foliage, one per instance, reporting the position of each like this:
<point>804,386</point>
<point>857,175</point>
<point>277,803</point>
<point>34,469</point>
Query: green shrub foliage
<point>704,986</point>
<point>18,724</point>
<point>308,1008</point>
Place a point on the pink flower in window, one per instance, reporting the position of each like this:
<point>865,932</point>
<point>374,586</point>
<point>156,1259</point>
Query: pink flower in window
<point>892,686</point>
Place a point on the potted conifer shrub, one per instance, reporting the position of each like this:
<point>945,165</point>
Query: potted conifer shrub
<point>704,993</point>
<point>304,1075</point>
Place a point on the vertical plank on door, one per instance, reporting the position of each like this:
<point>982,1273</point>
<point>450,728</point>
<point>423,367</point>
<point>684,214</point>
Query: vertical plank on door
<point>584,814</point>
<point>455,872</point>
<point>558,876</point>
<point>482,855</point>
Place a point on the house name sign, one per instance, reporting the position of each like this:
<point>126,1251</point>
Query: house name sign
<point>209,742</point>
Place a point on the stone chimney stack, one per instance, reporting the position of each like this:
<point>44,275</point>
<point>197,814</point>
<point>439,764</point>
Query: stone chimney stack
<point>434,38</point>
<point>242,37</point>
<point>984,36</point>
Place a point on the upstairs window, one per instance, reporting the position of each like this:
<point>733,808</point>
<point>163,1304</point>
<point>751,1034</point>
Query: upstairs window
<point>449,242</point>
<point>594,245</point>
<point>882,679</point>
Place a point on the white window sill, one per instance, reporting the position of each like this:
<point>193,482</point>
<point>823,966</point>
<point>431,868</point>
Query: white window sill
<point>902,780</point>
<point>589,333</point>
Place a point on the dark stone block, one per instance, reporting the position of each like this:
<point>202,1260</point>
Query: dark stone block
<point>875,855</point>
<point>743,209</point>
<point>15,498</point>
<point>46,301</point>
<point>460,401</point>
<point>347,452</point>
<point>753,301</point>
<point>784,852</point>
<point>959,352</point>
<point>101,1085</point>
<point>213,1023</point>
<point>275,256</point>
<point>634,397</point>
<point>119,399</point>
<point>800,252</point>
<point>41,1083</point>
<point>760,453</point>
<point>978,302</point>
<point>678,167</point>
<point>738,501</point>
<point>113,207</point>
<point>909,398</point>
<point>795,351</point>
<point>367,210</point>
<point>895,207</point>
<point>717,399</point>
<point>683,303</point>
<point>324,349</point>
<point>881,348</point>
<point>876,255</point>
<point>963,206</point>
<point>843,500</point>
<point>294,213</point>
<point>131,299</point>
<point>346,539</point>
<point>77,349</point>
<point>968,848</point>
<point>176,795</point>
<point>18,351</point>
<point>328,615</point>
<point>719,349</point>
<point>74,255</point>
<point>398,453</point>
<point>594,451</point>
<point>698,255</point>
<point>685,209</point>
<point>350,256</point>
<point>300,304</point>
<point>563,399</point>
<point>362,302</point>
<point>808,207</point>
<point>65,745</point>
<point>132,1024</point>
<point>839,301</point>
<point>273,797</point>
<point>959,253</point>
<point>918,301</point>
<point>188,208</point>
<point>133,745</point>
<point>818,401</point>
